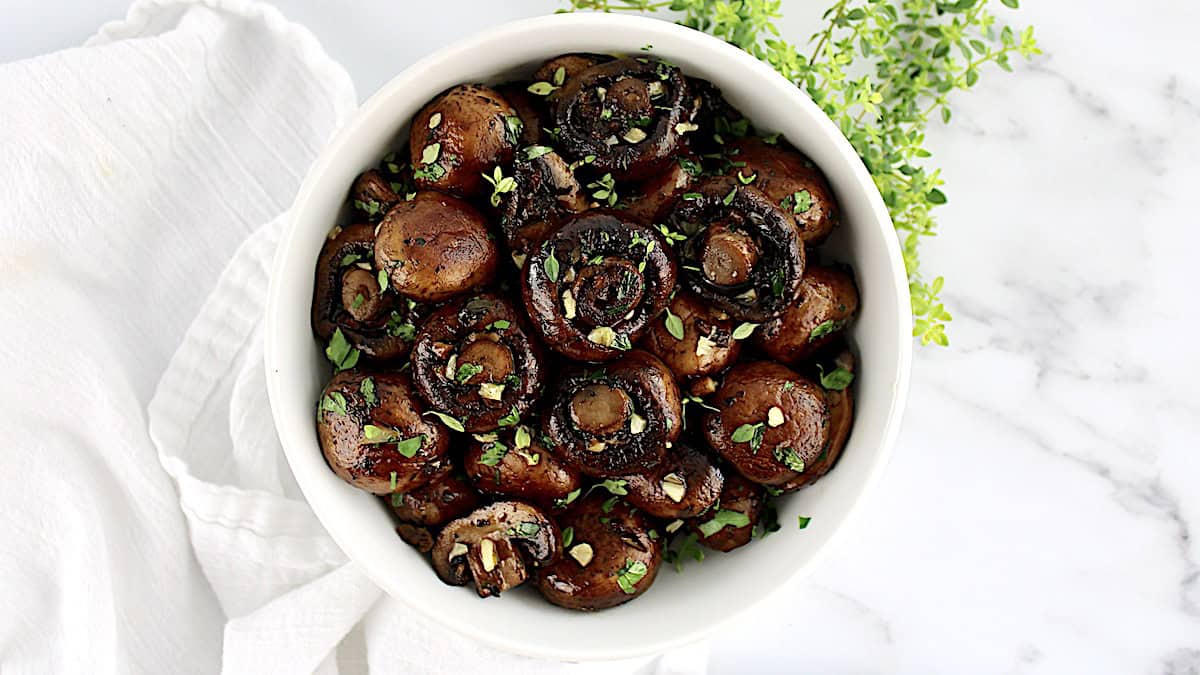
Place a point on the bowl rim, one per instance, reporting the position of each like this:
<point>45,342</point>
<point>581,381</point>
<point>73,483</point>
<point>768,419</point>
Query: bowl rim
<point>720,50</point>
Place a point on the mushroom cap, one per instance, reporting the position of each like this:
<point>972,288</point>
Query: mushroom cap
<point>496,545</point>
<point>434,247</point>
<point>791,180</point>
<point>772,422</point>
<point>497,466</point>
<point>622,557</point>
<point>740,498</point>
<point>707,346</point>
<point>828,301</point>
<point>369,440</point>
<point>437,502</point>
<point>683,485</point>
<point>841,413</point>
<point>464,132</point>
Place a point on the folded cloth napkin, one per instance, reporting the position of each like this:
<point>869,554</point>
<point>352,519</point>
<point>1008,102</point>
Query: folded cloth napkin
<point>150,523</point>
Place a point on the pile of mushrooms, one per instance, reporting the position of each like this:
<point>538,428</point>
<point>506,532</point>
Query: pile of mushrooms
<point>580,326</point>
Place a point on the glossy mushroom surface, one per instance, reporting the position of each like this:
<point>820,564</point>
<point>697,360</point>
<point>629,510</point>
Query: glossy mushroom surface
<point>595,284</point>
<point>790,180</point>
<point>611,557</point>
<point>650,199</point>
<point>771,424</point>
<point>374,435</point>
<point>616,418</point>
<point>496,546</point>
<point>435,247</point>
<point>693,338</point>
<point>516,463</point>
<point>461,135</point>
<point>474,361</point>
<point>545,193</point>
<point>834,371</point>
<point>625,113</point>
<point>437,502</point>
<point>743,255</point>
<point>348,297</point>
<point>731,524</point>
<point>683,485</point>
<point>828,301</point>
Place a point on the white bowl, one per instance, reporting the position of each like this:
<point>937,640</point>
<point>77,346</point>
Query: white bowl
<point>679,608</point>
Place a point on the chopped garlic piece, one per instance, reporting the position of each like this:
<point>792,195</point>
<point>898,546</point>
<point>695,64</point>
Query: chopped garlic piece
<point>596,446</point>
<point>363,266</point>
<point>684,127</point>
<point>582,553</point>
<point>634,135</point>
<point>674,486</point>
<point>603,335</point>
<point>705,347</point>
<point>519,259</point>
<point>487,555</point>
<point>637,424</point>
<point>491,391</point>
<point>569,305</point>
<point>674,525</point>
<point>774,416</point>
<point>451,366</point>
<point>457,550</point>
<point>486,438</point>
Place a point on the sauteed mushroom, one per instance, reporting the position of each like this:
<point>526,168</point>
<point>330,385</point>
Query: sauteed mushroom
<point>421,510</point>
<point>459,136</point>
<point>609,559</point>
<point>474,361</point>
<point>374,435</point>
<point>731,524</point>
<point>496,545</point>
<point>834,370</point>
<point>626,113</point>
<point>594,285</point>
<point>772,422</point>
<point>652,197</point>
<point>372,195</point>
<point>347,296</point>
<point>517,464</point>
<point>544,194</point>
<point>683,485</point>
<point>617,418</point>
<point>743,256</point>
<point>828,300</point>
<point>435,247</point>
<point>790,180</point>
<point>692,338</point>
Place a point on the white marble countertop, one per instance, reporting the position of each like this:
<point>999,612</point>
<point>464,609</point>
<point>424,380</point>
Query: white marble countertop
<point>1041,511</point>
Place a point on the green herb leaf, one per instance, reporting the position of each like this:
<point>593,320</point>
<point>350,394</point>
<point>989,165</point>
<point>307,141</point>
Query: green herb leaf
<point>837,379</point>
<point>493,453</point>
<point>744,330</point>
<point>535,151</point>
<point>541,88</point>
<point>334,402</point>
<point>466,371</point>
<point>803,521</point>
<point>722,518</point>
<point>568,537</point>
<point>513,417</point>
<point>551,267</point>
<point>790,459</point>
<point>630,574</point>
<point>674,325</point>
<point>527,529</point>
<point>447,420</point>
<point>744,433</point>
<point>368,391</point>
<point>340,353</point>
<point>410,446</point>
<point>499,324</point>
<point>824,328</point>
<point>614,485</point>
<point>571,496</point>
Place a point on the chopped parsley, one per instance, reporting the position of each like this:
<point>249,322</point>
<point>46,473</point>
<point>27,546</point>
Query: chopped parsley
<point>630,574</point>
<point>340,353</point>
<point>722,518</point>
<point>836,379</point>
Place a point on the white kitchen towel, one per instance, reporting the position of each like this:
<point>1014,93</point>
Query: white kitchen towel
<point>149,522</point>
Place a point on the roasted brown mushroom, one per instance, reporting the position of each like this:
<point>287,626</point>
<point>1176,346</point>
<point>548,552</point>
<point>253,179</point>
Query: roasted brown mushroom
<point>692,338</point>
<point>731,524</point>
<point>517,464</point>
<point>742,255</point>
<point>652,197</point>
<point>532,112</point>
<point>437,502</point>
<point>772,422</point>
<point>593,286</point>
<point>834,369</point>
<point>372,195</point>
<point>828,300</point>
<point>629,114</point>
<point>544,194</point>
<point>348,297</point>
<point>496,545</point>
<point>474,361</point>
<point>434,247</point>
<point>461,135</point>
<point>790,180</point>
<point>617,418</point>
<point>610,556</point>
<point>374,435</point>
<point>683,485</point>
<point>559,69</point>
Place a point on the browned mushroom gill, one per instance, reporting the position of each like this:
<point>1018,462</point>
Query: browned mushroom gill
<point>629,115</point>
<point>496,546</point>
<point>543,194</point>
<point>595,284</point>
<point>473,361</point>
<point>617,418</point>
<point>743,254</point>
<point>352,296</point>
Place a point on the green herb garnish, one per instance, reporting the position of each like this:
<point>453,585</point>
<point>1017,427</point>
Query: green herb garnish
<point>340,353</point>
<point>630,574</point>
<point>446,419</point>
<point>722,518</point>
<point>836,379</point>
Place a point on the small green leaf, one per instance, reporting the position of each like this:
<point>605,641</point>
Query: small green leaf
<point>334,402</point>
<point>551,267</point>
<point>744,330</point>
<point>447,420</point>
<point>722,518</point>
<point>493,453</point>
<point>368,391</point>
<point>410,446</point>
<point>340,353</point>
<point>674,325</point>
<point>541,88</point>
<point>466,371</point>
<point>499,324</point>
<point>513,417</point>
<point>803,521</point>
<point>824,328</point>
<point>568,536</point>
<point>535,151</point>
<point>745,433</point>
<point>837,379</point>
<point>630,574</point>
<point>789,458</point>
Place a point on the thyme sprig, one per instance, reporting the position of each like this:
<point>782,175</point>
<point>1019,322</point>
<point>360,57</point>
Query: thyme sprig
<point>882,70</point>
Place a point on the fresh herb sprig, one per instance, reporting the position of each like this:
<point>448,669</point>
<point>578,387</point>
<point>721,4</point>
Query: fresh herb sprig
<point>882,70</point>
